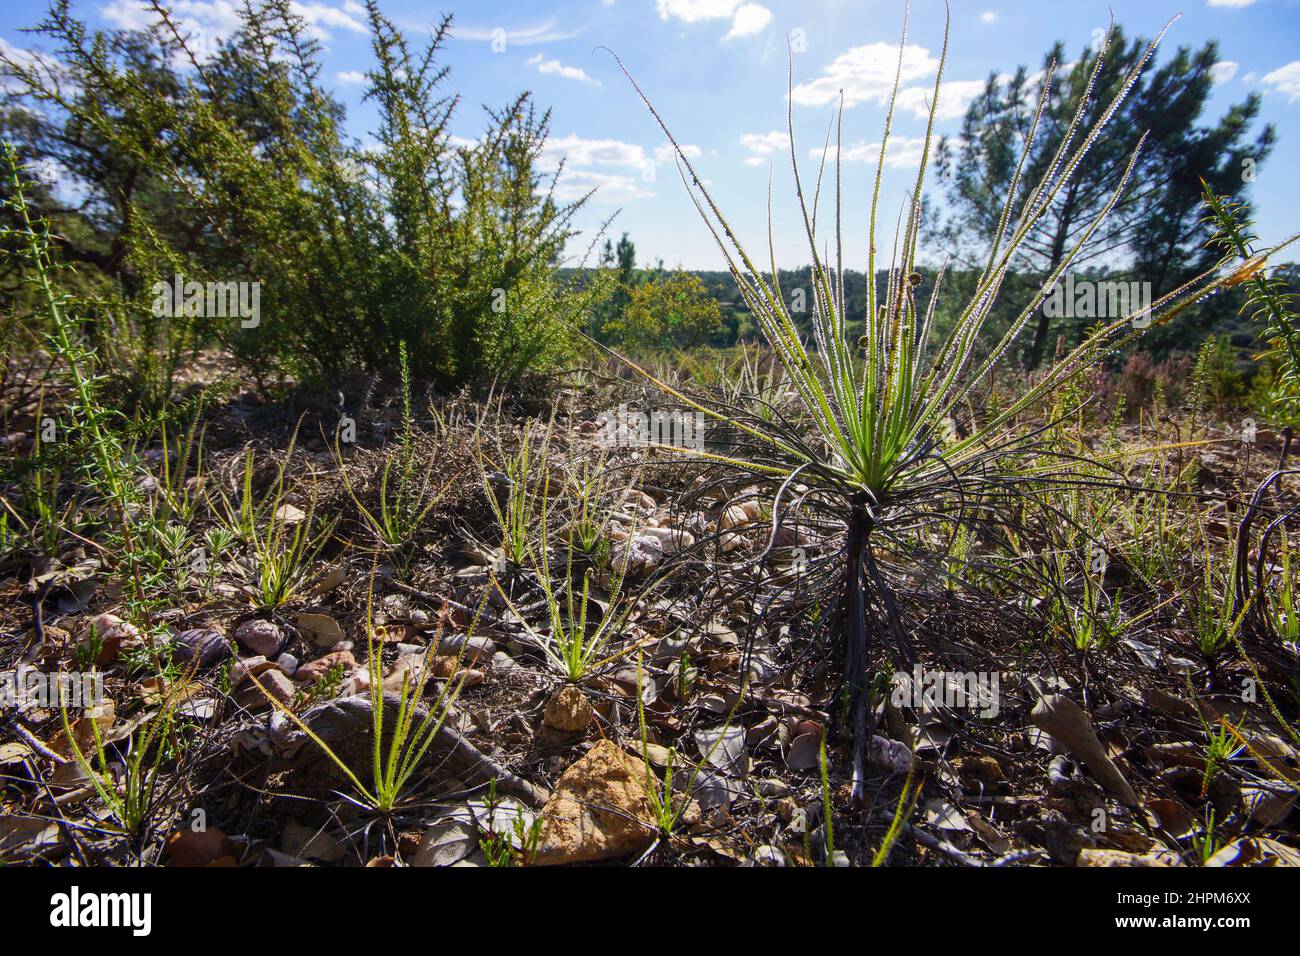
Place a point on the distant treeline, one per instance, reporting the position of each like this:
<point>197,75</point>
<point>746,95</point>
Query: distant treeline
<point>1093,299</point>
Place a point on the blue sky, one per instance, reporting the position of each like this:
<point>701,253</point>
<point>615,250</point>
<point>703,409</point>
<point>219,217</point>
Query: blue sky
<point>716,70</point>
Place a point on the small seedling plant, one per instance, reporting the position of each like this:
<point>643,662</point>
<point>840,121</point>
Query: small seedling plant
<point>393,767</point>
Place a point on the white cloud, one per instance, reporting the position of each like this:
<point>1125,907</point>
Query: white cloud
<point>207,24</point>
<point>763,146</point>
<point>1231,3</point>
<point>746,18</point>
<point>749,19</point>
<point>988,16</point>
<point>610,187</point>
<point>578,151</point>
<point>556,68</point>
<point>621,170</point>
<point>693,11</point>
<point>522,36</point>
<point>865,73</point>
<point>320,15</point>
<point>904,152</point>
<point>350,77</point>
<point>127,14</point>
<point>954,98</point>
<point>32,60</point>
<point>1285,80</point>
<point>1224,71</point>
<point>664,152</point>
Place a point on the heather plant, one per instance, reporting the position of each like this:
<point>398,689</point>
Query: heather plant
<point>448,245</point>
<point>98,444</point>
<point>1267,297</point>
<point>407,492</point>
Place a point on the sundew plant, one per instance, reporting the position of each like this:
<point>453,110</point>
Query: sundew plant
<point>881,390</point>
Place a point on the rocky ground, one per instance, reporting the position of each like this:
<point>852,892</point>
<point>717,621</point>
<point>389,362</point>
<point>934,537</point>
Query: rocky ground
<point>659,753</point>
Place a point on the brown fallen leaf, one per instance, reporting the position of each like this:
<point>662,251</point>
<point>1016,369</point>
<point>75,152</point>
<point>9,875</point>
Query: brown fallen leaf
<point>1068,723</point>
<point>83,731</point>
<point>189,847</point>
<point>321,629</point>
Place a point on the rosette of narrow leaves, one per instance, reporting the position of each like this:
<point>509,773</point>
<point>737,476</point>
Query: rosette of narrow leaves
<point>881,391</point>
<point>582,633</point>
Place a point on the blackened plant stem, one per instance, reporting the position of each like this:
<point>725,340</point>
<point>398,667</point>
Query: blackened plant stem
<point>855,641</point>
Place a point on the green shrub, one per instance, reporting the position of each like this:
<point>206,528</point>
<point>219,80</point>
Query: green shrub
<point>675,311</point>
<point>235,168</point>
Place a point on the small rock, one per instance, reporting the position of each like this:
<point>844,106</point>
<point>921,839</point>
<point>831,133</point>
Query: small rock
<point>313,671</point>
<point>734,517</point>
<point>979,769</point>
<point>891,755</point>
<point>201,646</point>
<point>476,647</point>
<point>258,636</point>
<point>254,694</point>
<point>568,710</point>
<point>447,667</point>
<point>503,663</point>
<point>598,811</point>
<point>288,664</point>
<point>247,667</point>
<point>1105,858</point>
<point>645,553</point>
<point>671,538</point>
